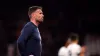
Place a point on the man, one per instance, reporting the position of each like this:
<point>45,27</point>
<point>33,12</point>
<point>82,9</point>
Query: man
<point>63,51</point>
<point>74,48</point>
<point>29,41</point>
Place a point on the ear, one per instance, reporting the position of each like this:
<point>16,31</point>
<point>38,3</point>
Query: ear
<point>33,14</point>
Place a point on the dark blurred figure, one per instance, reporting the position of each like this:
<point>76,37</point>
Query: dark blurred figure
<point>20,25</point>
<point>83,50</point>
<point>92,42</point>
<point>63,51</point>
<point>95,55</point>
<point>3,40</point>
<point>47,42</point>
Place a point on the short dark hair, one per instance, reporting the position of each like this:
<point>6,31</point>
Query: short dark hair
<point>33,9</point>
<point>73,38</point>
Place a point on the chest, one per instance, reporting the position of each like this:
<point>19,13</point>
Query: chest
<point>36,34</point>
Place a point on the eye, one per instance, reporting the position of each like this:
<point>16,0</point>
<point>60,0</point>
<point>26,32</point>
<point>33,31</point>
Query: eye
<point>41,13</point>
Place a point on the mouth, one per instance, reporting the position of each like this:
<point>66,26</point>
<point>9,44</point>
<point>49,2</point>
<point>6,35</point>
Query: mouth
<point>42,18</point>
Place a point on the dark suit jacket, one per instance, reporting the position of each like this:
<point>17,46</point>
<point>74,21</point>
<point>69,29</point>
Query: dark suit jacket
<point>29,41</point>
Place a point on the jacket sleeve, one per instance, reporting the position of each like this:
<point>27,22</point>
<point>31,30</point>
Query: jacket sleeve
<point>26,31</point>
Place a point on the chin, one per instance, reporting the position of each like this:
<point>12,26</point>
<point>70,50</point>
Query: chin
<point>40,21</point>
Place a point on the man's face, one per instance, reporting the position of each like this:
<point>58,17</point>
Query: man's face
<point>38,15</point>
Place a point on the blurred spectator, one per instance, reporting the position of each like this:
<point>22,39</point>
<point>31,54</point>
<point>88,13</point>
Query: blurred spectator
<point>12,46</point>
<point>3,40</point>
<point>19,25</point>
<point>92,42</point>
<point>74,46</point>
<point>95,55</point>
<point>10,50</point>
<point>63,51</point>
<point>83,50</point>
<point>47,42</point>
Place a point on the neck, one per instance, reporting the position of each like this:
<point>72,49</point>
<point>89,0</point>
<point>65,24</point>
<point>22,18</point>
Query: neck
<point>66,45</point>
<point>35,22</point>
<point>75,42</point>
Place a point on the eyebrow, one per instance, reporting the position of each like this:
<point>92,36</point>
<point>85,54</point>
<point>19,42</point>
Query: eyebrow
<point>41,12</point>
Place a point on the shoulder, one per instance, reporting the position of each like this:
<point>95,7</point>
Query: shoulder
<point>78,46</point>
<point>61,47</point>
<point>75,46</point>
<point>69,46</point>
<point>62,50</point>
<point>29,26</point>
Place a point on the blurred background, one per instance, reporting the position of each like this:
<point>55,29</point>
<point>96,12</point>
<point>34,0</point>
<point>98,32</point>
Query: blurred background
<point>61,17</point>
